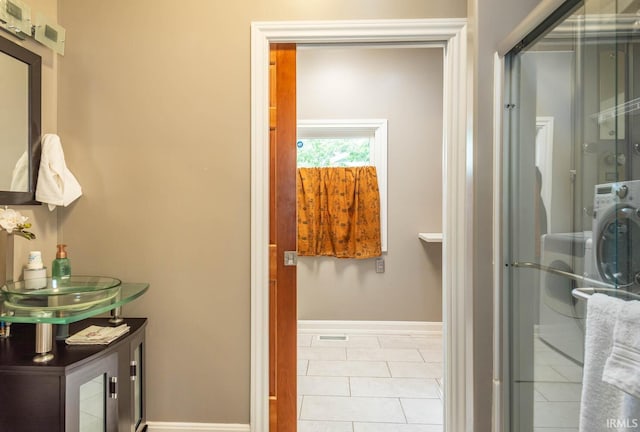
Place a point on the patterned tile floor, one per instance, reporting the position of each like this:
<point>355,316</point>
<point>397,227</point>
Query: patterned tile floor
<point>370,383</point>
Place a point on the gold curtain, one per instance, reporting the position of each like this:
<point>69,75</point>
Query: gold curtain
<point>338,212</point>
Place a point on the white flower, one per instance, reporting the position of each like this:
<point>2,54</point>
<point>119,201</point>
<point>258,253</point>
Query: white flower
<point>11,220</point>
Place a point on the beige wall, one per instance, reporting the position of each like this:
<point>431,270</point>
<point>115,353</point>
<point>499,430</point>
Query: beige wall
<point>490,21</point>
<point>44,222</point>
<point>404,86</point>
<point>154,114</point>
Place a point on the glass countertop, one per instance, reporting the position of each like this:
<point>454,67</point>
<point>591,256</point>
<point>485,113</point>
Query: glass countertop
<point>55,287</point>
<point>64,302</point>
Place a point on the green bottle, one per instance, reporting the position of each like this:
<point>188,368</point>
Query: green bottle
<point>61,267</point>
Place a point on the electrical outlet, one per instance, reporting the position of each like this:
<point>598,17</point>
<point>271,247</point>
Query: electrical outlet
<point>379,265</point>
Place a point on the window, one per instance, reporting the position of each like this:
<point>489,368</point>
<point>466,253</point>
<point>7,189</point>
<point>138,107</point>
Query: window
<point>340,143</point>
<point>334,152</point>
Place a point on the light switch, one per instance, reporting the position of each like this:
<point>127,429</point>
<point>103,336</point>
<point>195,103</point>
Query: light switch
<point>379,265</point>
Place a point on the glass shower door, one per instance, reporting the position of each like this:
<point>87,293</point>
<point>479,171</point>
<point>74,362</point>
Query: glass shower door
<point>571,198</point>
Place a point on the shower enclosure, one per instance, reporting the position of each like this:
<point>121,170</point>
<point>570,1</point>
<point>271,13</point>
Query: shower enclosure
<point>571,204</point>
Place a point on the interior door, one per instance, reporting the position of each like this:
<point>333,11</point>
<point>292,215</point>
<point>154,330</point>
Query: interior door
<point>282,238</point>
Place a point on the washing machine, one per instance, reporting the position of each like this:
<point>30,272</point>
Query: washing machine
<point>615,249</point>
<point>561,319</point>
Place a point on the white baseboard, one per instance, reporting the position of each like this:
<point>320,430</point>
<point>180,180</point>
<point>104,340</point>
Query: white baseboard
<point>371,327</point>
<point>196,427</point>
<point>497,407</point>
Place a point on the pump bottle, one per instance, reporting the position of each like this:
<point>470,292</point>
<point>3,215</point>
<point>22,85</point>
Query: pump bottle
<point>61,267</point>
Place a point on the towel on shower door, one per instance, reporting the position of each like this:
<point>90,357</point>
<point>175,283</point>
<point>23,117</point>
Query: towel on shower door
<point>623,365</point>
<point>603,407</point>
<point>56,184</point>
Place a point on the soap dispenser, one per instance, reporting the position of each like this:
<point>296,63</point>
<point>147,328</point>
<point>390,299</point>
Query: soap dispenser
<point>61,267</point>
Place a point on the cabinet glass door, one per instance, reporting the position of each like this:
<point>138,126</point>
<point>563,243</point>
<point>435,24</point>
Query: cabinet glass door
<point>93,404</point>
<point>137,374</point>
<point>91,397</point>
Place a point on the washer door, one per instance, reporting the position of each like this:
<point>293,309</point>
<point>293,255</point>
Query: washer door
<point>618,247</point>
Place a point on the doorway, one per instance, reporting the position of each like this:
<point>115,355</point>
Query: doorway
<point>451,34</point>
<point>369,347</point>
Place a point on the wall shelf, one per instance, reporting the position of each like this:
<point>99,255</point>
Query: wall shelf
<point>430,237</point>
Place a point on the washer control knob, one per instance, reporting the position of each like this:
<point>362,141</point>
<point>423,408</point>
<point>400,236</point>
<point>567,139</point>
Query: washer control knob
<point>622,191</point>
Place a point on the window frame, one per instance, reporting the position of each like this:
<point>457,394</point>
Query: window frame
<point>330,128</point>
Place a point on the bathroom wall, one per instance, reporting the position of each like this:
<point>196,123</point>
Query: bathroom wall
<point>44,222</point>
<point>403,85</point>
<point>490,22</point>
<point>154,113</point>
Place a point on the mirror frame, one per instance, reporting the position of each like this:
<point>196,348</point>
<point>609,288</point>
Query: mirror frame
<point>34,62</point>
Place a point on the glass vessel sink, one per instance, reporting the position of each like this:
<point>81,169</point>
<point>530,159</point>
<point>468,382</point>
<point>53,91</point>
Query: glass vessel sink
<point>48,301</point>
<point>76,293</point>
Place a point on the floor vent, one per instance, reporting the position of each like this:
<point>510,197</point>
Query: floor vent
<point>333,337</point>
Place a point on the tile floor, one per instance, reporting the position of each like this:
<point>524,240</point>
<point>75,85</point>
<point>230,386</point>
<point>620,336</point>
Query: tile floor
<point>370,383</point>
<point>557,391</point>
<point>393,383</point>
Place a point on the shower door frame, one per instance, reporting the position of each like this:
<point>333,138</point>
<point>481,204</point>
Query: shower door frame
<point>501,159</point>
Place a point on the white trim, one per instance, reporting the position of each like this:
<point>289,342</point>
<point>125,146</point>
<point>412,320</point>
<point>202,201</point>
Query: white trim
<point>497,418</point>
<point>498,110</point>
<point>369,327</point>
<point>310,125</point>
<point>457,242</point>
<point>196,427</point>
<point>378,155</point>
<point>544,161</point>
<point>457,188</point>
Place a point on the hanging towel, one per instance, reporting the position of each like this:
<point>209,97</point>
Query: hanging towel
<point>623,365</point>
<point>603,407</point>
<point>56,184</point>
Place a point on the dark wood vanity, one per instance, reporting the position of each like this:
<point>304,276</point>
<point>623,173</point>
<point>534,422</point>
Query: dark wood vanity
<point>84,387</point>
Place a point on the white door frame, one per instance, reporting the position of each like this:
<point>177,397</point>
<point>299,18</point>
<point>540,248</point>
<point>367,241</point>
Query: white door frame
<point>457,192</point>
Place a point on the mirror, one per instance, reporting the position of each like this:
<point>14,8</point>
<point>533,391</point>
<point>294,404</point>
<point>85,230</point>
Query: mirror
<point>20,111</point>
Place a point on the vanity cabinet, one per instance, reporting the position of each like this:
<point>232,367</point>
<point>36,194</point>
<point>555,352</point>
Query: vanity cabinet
<point>84,388</point>
<point>131,380</point>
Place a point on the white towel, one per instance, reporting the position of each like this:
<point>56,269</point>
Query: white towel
<point>623,365</point>
<point>56,184</point>
<point>603,406</point>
